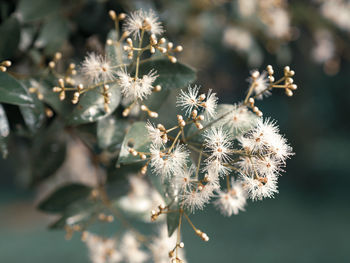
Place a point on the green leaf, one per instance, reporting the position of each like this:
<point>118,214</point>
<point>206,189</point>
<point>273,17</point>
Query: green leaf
<point>4,132</point>
<point>137,138</point>
<point>172,219</point>
<point>53,34</point>
<point>37,9</point>
<point>13,92</point>
<point>10,35</point>
<point>156,99</point>
<point>171,75</point>
<point>111,132</point>
<point>91,106</point>
<point>63,197</point>
<point>115,53</point>
<point>33,116</point>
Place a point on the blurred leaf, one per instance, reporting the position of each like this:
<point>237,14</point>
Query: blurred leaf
<point>115,54</point>
<point>13,92</point>
<point>111,132</point>
<point>87,133</point>
<point>78,212</point>
<point>156,99</point>
<point>33,116</point>
<point>37,9</point>
<point>91,106</point>
<point>4,132</point>
<point>63,197</point>
<point>10,35</point>
<point>53,34</point>
<point>171,75</point>
<point>48,152</point>
<point>120,173</point>
<point>137,138</point>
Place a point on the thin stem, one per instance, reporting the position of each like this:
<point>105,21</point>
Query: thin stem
<point>171,129</point>
<point>120,65</point>
<point>268,88</point>
<point>190,222</point>
<point>249,92</point>
<point>172,146</point>
<point>228,183</point>
<point>183,134</point>
<point>139,54</point>
<point>178,238</point>
<point>199,163</point>
<point>278,86</point>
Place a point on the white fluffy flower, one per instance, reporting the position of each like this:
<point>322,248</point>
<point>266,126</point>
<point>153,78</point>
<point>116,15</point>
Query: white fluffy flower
<point>218,143</point>
<point>246,164</point>
<point>97,68</point>
<point>214,169</point>
<point>188,100</point>
<point>154,134</point>
<point>143,20</point>
<point>210,105</point>
<point>267,165</point>
<point>260,84</point>
<point>102,250</point>
<point>260,187</point>
<point>167,164</point>
<point>131,250</point>
<point>194,199</point>
<point>231,201</point>
<point>265,138</point>
<point>261,137</point>
<point>184,180</point>
<point>239,119</point>
<point>139,88</point>
<point>280,148</point>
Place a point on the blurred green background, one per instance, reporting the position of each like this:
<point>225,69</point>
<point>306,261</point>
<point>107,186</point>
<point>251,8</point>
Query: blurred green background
<point>309,221</point>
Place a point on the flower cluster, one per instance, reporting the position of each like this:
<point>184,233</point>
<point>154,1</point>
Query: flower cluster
<point>212,152</point>
<point>97,72</point>
<point>236,144</point>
